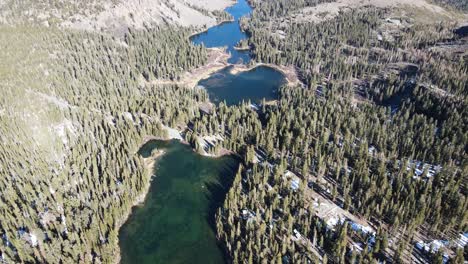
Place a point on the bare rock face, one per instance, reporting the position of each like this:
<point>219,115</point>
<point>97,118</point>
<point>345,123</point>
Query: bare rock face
<point>118,17</point>
<point>114,16</point>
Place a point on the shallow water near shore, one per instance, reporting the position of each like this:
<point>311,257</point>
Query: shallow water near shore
<point>175,222</point>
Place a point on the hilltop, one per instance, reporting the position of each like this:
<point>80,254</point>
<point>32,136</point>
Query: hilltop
<point>112,15</point>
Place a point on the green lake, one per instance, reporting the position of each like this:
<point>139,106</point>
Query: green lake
<point>175,224</point>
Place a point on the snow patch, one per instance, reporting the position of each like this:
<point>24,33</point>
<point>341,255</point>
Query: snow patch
<point>173,133</point>
<point>33,238</point>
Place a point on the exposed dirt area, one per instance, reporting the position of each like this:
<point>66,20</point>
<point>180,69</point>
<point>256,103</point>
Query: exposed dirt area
<point>327,210</point>
<point>137,13</point>
<point>217,60</point>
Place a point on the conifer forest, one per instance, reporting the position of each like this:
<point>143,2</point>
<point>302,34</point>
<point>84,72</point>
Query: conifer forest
<point>362,160</point>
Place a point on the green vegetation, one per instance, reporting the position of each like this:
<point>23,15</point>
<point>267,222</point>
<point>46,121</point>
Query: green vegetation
<point>70,130</point>
<point>377,105</point>
<point>278,8</point>
<point>157,56</point>
<point>49,12</point>
<point>379,128</point>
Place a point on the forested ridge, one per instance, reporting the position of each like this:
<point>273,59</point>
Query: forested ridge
<point>102,107</point>
<point>379,128</point>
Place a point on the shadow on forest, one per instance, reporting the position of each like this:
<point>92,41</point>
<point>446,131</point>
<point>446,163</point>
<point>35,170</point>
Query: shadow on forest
<point>216,194</point>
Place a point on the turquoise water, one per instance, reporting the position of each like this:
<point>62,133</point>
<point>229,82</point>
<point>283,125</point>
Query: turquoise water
<point>175,222</point>
<point>260,82</point>
<point>228,34</point>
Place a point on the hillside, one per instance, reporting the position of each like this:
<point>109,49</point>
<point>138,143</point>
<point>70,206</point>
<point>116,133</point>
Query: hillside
<point>74,109</point>
<point>111,15</point>
<point>376,130</point>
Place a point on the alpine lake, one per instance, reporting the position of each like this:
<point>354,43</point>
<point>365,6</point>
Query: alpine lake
<point>175,223</point>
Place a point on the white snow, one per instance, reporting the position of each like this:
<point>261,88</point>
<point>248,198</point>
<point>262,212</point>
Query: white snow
<point>420,167</point>
<point>128,116</point>
<point>63,128</point>
<point>33,239</point>
<point>462,240</point>
<point>295,181</point>
<point>431,246</point>
<point>332,222</point>
<point>364,229</point>
<point>297,234</point>
<point>173,133</point>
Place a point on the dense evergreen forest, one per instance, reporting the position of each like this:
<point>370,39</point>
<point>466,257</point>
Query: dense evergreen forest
<point>378,128</point>
<point>70,212</point>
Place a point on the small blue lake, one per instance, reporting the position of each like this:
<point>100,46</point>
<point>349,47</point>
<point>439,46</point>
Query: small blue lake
<point>254,85</point>
<point>227,34</point>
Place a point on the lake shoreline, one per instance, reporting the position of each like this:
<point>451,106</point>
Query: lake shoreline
<point>289,72</point>
<point>217,60</point>
<point>201,31</point>
<point>204,30</point>
<point>149,164</point>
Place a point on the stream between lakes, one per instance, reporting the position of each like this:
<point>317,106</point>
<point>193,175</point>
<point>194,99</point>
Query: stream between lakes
<point>175,224</point>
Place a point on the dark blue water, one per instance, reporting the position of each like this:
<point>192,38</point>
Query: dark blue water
<point>462,31</point>
<point>228,34</point>
<point>260,82</point>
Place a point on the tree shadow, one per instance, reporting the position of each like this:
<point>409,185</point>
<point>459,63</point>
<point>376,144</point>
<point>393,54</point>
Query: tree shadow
<point>216,194</point>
